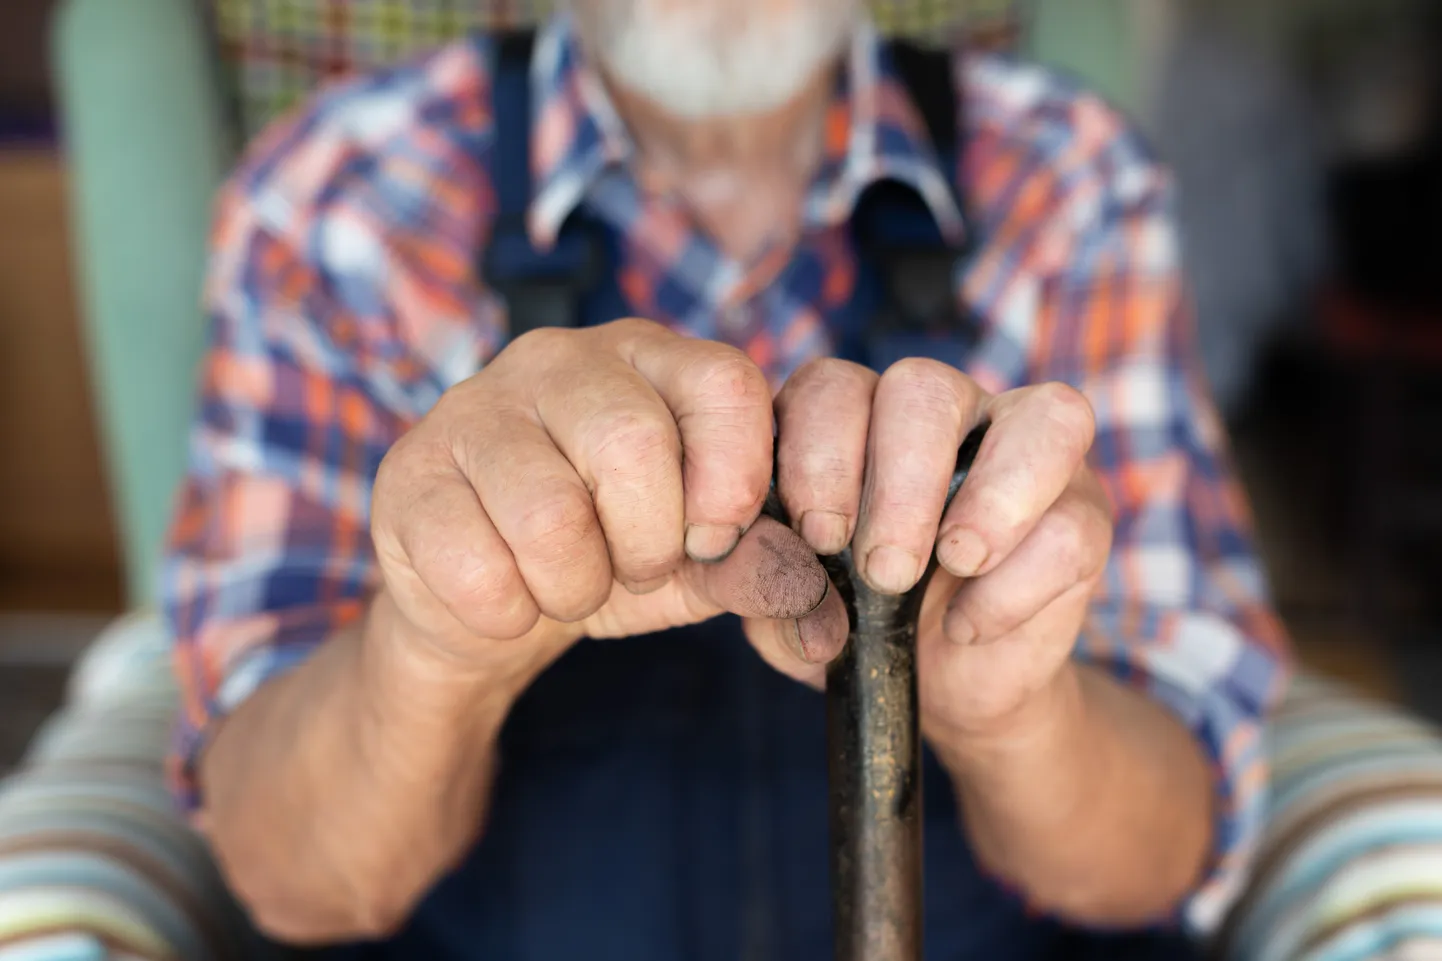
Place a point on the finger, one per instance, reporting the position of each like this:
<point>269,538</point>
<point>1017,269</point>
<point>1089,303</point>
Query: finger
<point>823,414</point>
<point>542,510</point>
<point>622,441</point>
<point>920,414</point>
<point>428,521</point>
<point>802,648</point>
<point>1037,442</point>
<point>1067,547</point>
<point>722,406</point>
<point>771,574</point>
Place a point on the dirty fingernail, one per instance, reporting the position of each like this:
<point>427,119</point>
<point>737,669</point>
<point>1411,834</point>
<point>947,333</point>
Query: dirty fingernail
<point>708,543</point>
<point>892,570</point>
<point>962,552</point>
<point>825,531</point>
<point>821,634</point>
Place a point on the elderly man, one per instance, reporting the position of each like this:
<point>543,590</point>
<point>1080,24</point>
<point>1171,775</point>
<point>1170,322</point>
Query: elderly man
<point>462,614</point>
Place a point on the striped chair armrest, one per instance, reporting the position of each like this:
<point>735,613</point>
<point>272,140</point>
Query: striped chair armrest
<point>95,861</point>
<point>1351,864</point>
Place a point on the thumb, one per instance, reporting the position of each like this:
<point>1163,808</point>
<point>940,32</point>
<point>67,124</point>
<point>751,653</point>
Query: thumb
<point>802,648</point>
<point>794,617</point>
<point>772,574</point>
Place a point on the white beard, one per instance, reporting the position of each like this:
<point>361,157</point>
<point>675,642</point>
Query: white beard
<point>701,59</point>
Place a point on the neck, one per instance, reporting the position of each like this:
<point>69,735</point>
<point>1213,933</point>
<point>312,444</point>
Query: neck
<point>744,178</point>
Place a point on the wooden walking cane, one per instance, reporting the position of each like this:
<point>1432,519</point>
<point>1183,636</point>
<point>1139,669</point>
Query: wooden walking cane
<point>874,767</point>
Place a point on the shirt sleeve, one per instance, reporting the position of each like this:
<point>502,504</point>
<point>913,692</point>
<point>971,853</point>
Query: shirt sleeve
<point>1100,303</point>
<point>340,307</point>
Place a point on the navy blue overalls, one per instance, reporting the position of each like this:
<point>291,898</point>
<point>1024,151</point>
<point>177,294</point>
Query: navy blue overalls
<point>663,798</point>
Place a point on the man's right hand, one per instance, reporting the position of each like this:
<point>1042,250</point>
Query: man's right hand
<point>587,483</point>
<point>601,482</point>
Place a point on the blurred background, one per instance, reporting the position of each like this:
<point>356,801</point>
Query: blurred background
<point>1306,136</point>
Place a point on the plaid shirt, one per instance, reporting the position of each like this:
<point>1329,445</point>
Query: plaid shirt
<point>344,301</point>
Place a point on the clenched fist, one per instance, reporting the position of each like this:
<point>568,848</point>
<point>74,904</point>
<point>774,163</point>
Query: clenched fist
<point>600,482</point>
<point>867,460</point>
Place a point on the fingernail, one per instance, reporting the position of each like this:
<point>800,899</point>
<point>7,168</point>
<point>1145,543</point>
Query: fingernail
<point>821,634</point>
<point>962,552</point>
<point>706,543</point>
<point>892,570</point>
<point>825,531</point>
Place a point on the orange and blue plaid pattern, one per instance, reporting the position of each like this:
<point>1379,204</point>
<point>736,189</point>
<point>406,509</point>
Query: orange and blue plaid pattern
<point>344,302</point>
<point>275,52</point>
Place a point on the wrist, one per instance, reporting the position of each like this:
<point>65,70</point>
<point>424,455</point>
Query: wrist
<point>409,675</point>
<point>1026,776</point>
<point>1037,730</point>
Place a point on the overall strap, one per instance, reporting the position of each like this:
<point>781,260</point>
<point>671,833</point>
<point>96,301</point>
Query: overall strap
<point>906,302</point>
<point>928,73</point>
<point>571,284</point>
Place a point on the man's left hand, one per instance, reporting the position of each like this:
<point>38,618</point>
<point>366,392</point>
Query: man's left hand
<point>866,460</point>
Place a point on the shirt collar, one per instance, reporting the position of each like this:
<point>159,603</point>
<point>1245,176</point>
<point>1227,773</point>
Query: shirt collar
<point>873,132</point>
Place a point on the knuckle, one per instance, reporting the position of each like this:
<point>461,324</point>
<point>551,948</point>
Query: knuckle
<point>727,378</point>
<point>734,491</point>
<point>405,518</point>
<point>1078,536</point>
<point>903,518</point>
<point>485,596</point>
<point>460,404</point>
<point>825,468</point>
<point>555,525</point>
<point>997,509</point>
<point>545,343</point>
<point>920,372</point>
<point>925,389</point>
<point>830,373</point>
<point>1069,408</point>
<point>730,496</point>
<point>384,490</point>
<point>397,470</point>
<point>630,327</point>
<point>732,406</point>
<point>634,442</point>
<point>577,587</point>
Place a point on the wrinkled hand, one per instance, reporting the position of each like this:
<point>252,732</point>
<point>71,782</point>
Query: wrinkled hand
<point>866,460</point>
<point>572,489</point>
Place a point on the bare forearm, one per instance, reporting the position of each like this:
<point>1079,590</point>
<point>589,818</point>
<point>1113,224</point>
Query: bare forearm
<point>1098,804</point>
<point>339,792</point>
